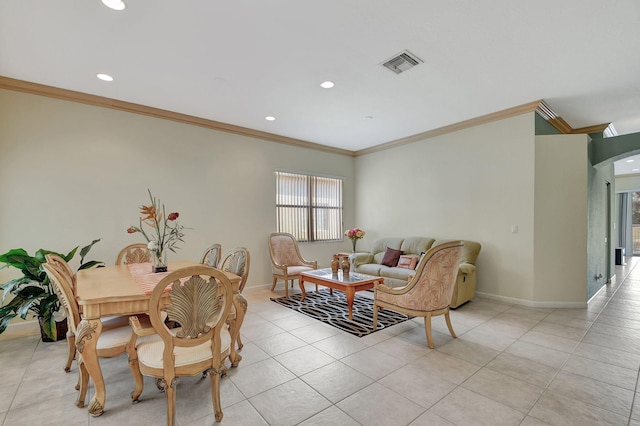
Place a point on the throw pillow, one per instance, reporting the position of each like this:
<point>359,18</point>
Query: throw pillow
<point>408,261</point>
<point>391,257</point>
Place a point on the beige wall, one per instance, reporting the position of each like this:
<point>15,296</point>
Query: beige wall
<point>560,256</point>
<point>70,173</point>
<point>471,184</point>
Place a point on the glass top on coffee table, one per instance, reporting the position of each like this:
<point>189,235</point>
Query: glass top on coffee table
<point>350,284</point>
<point>353,277</point>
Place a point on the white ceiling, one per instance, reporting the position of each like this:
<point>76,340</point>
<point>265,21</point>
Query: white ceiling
<point>239,61</point>
<point>628,166</point>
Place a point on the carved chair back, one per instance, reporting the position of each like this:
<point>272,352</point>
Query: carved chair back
<point>63,267</point>
<point>198,298</point>
<point>237,261</point>
<point>62,288</point>
<point>211,256</point>
<point>134,253</point>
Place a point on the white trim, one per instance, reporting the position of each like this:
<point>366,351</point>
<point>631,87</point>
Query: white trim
<point>532,304</point>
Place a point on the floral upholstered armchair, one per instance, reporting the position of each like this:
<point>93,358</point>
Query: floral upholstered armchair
<point>286,261</point>
<point>429,292</point>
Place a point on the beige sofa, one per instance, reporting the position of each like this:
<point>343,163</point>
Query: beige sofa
<point>370,263</point>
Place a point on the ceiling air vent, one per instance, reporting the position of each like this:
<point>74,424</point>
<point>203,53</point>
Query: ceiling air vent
<point>402,62</point>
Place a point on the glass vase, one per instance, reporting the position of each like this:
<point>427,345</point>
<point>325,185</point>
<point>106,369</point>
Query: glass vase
<point>159,260</point>
<point>353,243</point>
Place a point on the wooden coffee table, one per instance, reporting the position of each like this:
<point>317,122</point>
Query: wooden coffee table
<point>349,284</point>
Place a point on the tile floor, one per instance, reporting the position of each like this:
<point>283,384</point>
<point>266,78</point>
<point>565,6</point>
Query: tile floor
<point>511,365</point>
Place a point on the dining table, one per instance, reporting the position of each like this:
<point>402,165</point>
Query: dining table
<point>125,290</point>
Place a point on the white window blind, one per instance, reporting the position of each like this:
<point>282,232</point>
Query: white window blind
<point>309,207</point>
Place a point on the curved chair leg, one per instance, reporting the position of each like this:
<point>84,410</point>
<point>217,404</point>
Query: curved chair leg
<point>170,392</point>
<point>240,345</point>
<point>137,378</point>
<point>71,342</point>
<point>286,288</point>
<point>130,349</point>
<point>275,280</point>
<point>214,376</point>
<point>427,327</point>
<point>449,326</point>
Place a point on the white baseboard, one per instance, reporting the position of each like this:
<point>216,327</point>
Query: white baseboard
<point>532,304</point>
<point>21,329</point>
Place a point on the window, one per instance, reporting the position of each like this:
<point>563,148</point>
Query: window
<point>309,207</point>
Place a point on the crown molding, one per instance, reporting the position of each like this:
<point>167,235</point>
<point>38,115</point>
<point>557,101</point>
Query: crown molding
<point>538,106</point>
<point>100,101</point>
<point>562,126</point>
<point>598,128</point>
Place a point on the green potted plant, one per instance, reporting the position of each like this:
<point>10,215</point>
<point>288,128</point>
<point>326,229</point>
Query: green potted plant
<point>32,292</point>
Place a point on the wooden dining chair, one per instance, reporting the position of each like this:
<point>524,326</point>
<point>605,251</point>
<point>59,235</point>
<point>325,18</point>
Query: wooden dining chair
<point>237,261</point>
<point>286,261</point>
<point>114,339</point>
<point>199,298</point>
<point>65,270</point>
<point>211,255</point>
<point>134,253</point>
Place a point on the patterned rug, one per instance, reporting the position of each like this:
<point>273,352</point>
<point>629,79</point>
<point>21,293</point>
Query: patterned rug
<point>332,310</point>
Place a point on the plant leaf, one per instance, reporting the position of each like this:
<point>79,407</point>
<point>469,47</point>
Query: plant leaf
<point>85,250</point>
<point>49,325</point>
<point>4,321</point>
<point>91,264</point>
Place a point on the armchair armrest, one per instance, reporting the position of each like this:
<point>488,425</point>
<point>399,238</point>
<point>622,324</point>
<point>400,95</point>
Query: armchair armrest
<point>390,290</point>
<point>466,268</point>
<point>141,325</point>
<point>312,263</point>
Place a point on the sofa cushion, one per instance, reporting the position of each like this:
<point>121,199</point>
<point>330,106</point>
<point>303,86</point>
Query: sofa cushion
<point>397,273</point>
<point>380,247</point>
<point>416,245</point>
<point>391,257</point>
<point>370,269</point>
<point>408,261</point>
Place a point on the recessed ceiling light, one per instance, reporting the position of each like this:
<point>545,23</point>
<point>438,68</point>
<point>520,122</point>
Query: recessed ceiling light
<point>104,77</point>
<point>368,117</point>
<point>327,84</point>
<point>114,4</point>
<point>269,118</point>
<point>629,161</point>
<point>634,170</point>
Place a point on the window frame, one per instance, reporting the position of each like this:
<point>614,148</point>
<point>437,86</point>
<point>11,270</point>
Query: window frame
<point>309,226</point>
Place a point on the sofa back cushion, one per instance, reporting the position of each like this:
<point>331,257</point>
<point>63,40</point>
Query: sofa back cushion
<point>470,251</point>
<point>380,246</point>
<point>416,245</point>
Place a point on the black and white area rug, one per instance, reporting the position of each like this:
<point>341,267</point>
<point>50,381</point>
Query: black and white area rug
<point>332,309</point>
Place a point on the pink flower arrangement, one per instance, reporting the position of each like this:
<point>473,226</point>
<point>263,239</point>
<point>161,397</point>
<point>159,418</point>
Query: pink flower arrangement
<point>354,235</point>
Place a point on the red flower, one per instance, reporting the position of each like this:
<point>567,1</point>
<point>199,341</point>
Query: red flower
<point>173,216</point>
<point>131,230</point>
